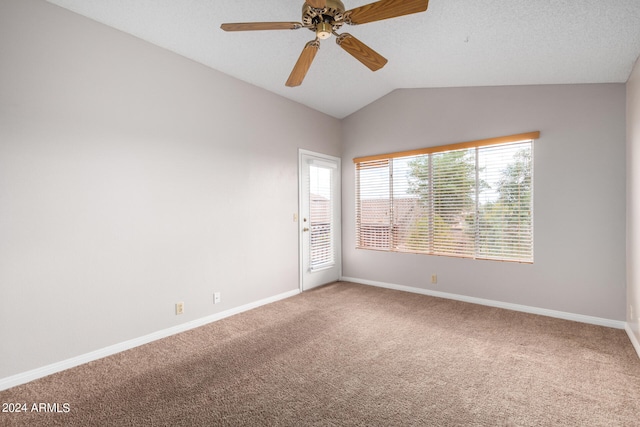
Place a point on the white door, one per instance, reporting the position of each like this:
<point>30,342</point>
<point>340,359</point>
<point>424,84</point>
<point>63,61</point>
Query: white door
<point>319,219</point>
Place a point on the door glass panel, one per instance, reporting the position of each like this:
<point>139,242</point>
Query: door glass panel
<point>320,217</point>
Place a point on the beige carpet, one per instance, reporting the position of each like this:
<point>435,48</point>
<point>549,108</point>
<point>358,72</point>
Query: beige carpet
<point>348,354</point>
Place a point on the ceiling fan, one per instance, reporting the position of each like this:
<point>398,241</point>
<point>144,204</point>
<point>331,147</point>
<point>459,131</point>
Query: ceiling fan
<point>325,17</point>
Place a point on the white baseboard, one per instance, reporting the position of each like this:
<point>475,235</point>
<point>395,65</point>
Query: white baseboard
<point>25,377</point>
<point>633,338</point>
<point>491,303</point>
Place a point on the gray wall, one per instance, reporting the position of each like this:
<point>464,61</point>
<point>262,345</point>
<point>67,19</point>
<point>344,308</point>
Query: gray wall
<point>633,201</point>
<point>130,179</point>
<point>579,207</point>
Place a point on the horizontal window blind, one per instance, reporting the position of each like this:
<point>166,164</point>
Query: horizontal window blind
<point>374,204</point>
<point>465,200</point>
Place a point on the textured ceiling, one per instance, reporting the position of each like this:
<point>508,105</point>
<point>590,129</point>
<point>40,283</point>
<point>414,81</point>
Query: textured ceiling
<point>454,43</point>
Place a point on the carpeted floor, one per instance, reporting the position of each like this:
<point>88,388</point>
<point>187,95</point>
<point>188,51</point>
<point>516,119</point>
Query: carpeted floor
<point>347,355</point>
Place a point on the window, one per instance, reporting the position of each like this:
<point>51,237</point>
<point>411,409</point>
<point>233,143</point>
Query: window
<point>471,200</point>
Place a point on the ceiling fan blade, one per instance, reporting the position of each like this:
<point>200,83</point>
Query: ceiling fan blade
<point>258,26</point>
<point>384,9</point>
<point>318,4</point>
<point>304,62</point>
<point>363,53</point>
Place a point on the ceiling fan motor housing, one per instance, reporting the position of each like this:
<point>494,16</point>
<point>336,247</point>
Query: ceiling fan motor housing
<point>332,14</point>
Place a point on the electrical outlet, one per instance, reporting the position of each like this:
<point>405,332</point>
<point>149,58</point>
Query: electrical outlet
<point>179,308</point>
<point>434,279</point>
<point>216,297</point>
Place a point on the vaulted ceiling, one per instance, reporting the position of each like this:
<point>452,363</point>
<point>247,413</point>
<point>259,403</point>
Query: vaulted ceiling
<point>454,43</point>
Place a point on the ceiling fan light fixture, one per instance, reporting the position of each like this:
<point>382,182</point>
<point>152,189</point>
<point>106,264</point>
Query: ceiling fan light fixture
<point>324,30</point>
